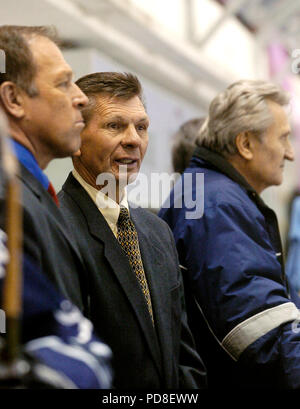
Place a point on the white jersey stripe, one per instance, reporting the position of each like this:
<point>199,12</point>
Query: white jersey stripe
<point>248,331</point>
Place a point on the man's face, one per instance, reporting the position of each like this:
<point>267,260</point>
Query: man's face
<point>53,120</point>
<point>116,135</point>
<point>270,154</point>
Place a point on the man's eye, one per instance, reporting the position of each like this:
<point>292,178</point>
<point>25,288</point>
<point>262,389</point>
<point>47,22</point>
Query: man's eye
<point>113,125</point>
<point>65,84</point>
<point>141,127</point>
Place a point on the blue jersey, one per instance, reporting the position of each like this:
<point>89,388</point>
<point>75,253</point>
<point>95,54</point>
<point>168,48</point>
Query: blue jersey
<point>56,333</point>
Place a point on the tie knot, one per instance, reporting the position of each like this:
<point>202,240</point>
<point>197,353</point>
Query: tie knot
<point>124,215</point>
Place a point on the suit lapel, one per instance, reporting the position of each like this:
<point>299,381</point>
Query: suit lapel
<point>48,203</point>
<point>159,287</point>
<point>118,261</point>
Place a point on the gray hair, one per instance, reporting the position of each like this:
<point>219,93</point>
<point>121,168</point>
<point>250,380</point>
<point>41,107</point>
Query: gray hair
<point>241,107</point>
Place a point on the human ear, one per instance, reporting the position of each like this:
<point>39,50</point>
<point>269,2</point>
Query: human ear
<point>12,99</point>
<point>244,145</point>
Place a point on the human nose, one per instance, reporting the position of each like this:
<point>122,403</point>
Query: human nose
<point>289,152</point>
<point>131,137</point>
<point>80,100</point>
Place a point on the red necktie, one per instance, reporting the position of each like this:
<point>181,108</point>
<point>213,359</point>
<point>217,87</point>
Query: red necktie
<point>53,193</point>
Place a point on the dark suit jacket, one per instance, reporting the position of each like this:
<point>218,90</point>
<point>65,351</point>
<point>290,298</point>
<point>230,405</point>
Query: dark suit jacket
<point>48,243</point>
<point>144,357</point>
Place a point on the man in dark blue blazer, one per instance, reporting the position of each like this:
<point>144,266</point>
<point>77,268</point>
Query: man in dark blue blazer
<point>143,322</point>
<point>42,106</point>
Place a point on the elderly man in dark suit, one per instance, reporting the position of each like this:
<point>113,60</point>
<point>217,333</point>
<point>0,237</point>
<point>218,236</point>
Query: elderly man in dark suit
<point>135,286</point>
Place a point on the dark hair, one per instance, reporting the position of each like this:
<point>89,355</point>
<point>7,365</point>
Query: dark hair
<point>20,66</point>
<point>114,84</point>
<point>184,143</point>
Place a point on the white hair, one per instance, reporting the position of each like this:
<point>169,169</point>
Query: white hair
<point>241,107</point>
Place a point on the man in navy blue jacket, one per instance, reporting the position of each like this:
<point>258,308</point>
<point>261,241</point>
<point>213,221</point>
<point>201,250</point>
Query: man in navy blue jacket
<point>241,310</point>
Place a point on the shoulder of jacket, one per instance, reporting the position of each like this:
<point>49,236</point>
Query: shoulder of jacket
<point>149,218</point>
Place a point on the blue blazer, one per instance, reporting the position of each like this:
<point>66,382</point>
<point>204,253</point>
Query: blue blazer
<point>48,241</point>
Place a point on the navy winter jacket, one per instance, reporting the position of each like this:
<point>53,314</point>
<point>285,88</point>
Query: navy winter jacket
<point>243,314</point>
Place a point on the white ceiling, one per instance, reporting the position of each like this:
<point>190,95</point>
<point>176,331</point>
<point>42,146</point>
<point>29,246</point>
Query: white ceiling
<point>131,37</point>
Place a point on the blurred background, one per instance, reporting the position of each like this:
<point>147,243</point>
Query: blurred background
<point>184,52</point>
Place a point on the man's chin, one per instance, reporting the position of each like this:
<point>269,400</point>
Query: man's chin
<point>278,181</point>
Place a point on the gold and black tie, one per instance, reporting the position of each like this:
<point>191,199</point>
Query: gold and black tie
<point>128,238</point>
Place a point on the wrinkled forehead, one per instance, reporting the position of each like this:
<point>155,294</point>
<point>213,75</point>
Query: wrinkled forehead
<point>277,109</point>
<point>128,108</point>
<point>281,116</point>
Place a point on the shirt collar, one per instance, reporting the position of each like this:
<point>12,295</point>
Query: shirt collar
<point>28,160</point>
<point>108,207</point>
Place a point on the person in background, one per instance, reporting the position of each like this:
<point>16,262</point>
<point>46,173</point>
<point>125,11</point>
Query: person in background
<point>293,243</point>
<point>184,143</point>
<point>136,292</point>
<point>243,314</point>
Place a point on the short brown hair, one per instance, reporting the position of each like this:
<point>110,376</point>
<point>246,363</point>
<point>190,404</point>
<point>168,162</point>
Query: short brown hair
<point>20,67</point>
<point>114,84</point>
<point>184,143</point>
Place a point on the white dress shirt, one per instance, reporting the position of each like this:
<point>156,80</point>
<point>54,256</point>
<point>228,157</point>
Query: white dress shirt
<point>108,207</point>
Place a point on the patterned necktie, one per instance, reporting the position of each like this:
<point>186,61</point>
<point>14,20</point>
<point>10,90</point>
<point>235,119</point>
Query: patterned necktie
<point>128,238</point>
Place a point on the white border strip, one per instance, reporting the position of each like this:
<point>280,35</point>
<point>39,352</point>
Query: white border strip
<point>248,331</point>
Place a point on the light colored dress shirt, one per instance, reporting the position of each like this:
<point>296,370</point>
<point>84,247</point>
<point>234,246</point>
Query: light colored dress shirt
<point>108,207</point>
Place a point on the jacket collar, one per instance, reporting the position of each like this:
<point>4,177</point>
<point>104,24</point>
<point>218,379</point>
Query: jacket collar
<point>215,161</point>
<point>218,162</point>
<point>118,261</point>
<point>54,215</point>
